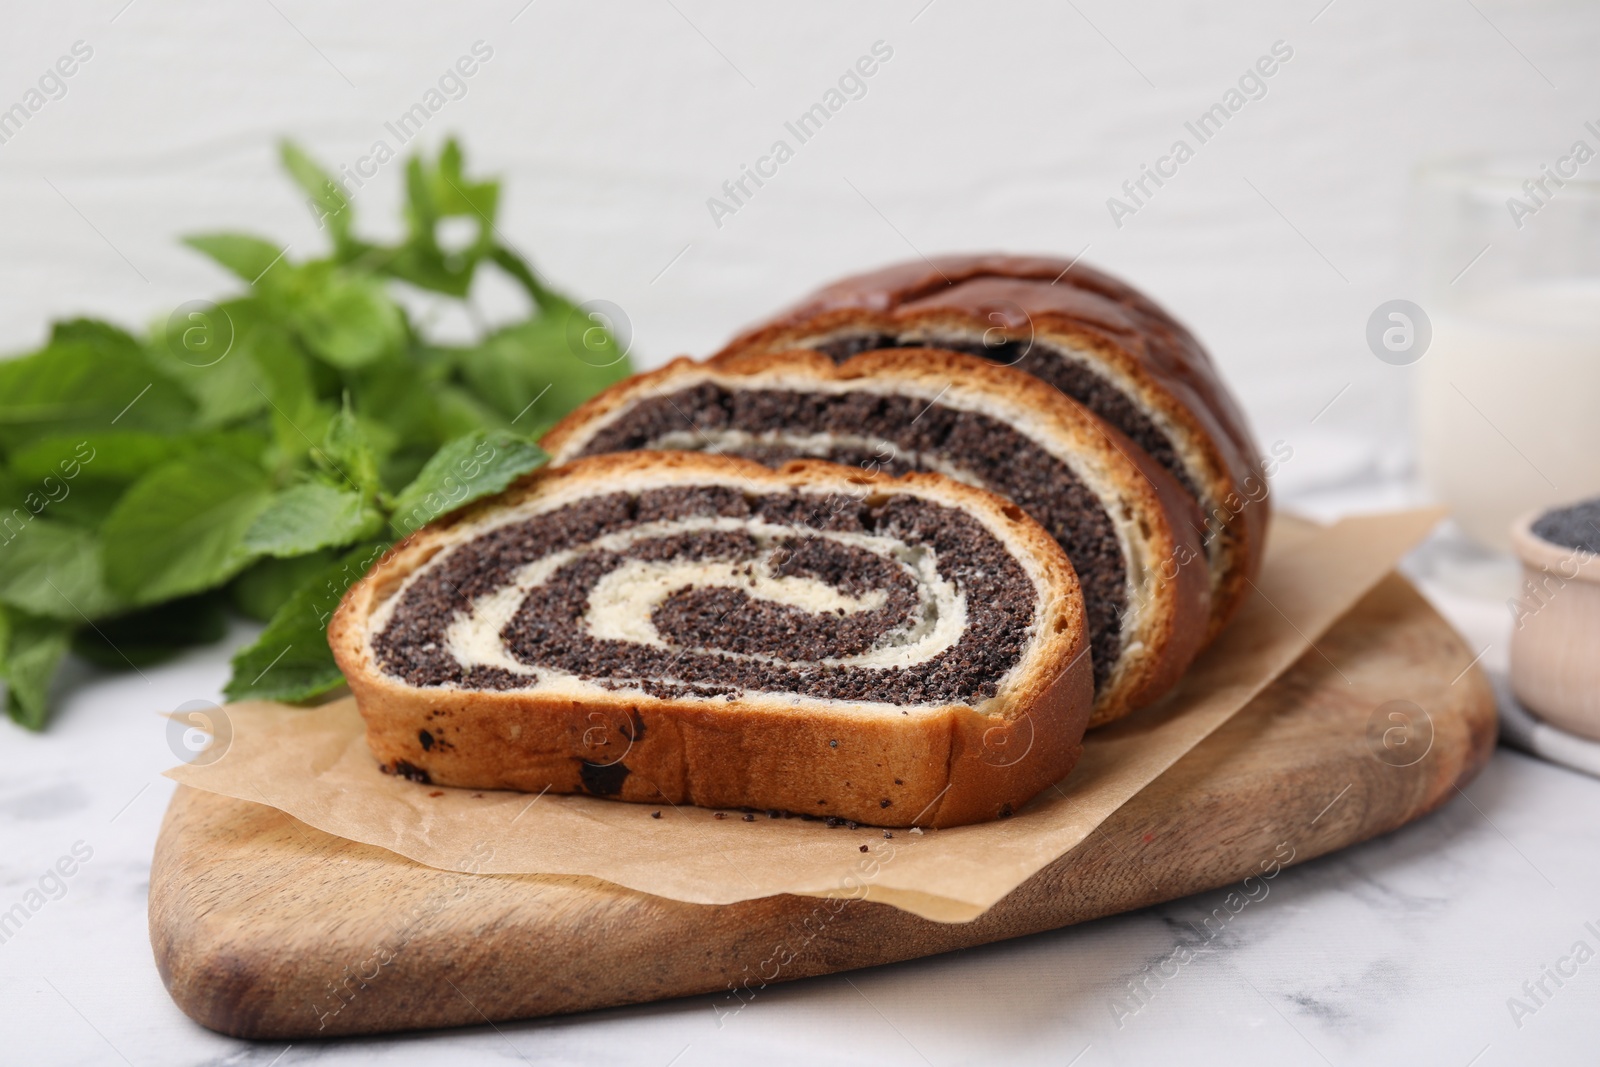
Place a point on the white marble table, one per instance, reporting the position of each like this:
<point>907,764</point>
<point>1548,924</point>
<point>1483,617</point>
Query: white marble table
<point>1403,950</point>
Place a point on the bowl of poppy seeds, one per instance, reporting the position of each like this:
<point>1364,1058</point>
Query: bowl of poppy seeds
<point>1555,634</point>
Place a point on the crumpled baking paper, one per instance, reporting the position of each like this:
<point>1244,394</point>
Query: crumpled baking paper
<point>314,765</point>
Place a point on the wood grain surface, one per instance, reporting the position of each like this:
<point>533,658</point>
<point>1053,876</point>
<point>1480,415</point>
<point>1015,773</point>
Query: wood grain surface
<point>263,927</point>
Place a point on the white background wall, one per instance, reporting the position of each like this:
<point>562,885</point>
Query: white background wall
<point>994,126</point>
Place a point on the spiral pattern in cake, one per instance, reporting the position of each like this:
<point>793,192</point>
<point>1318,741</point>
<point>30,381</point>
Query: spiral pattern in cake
<point>709,591</point>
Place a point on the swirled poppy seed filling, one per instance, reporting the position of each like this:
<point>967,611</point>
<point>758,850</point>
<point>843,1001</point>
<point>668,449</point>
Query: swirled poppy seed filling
<point>707,591</point>
<point>1047,363</point>
<point>897,434</point>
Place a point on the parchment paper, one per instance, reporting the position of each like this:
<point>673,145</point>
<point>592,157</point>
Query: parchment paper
<point>314,765</point>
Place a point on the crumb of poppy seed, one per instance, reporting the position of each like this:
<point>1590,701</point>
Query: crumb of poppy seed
<point>719,815</point>
<point>833,744</point>
<point>772,813</point>
<point>1005,811</point>
<point>863,848</point>
<point>822,802</point>
<point>655,815</point>
<point>832,821</point>
<point>898,782</point>
<point>888,833</point>
<point>426,739</point>
<point>749,817</point>
<point>850,825</point>
<point>411,772</point>
<point>885,802</point>
<point>437,793</point>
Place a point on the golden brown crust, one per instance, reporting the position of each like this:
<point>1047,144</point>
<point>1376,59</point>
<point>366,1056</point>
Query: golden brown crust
<point>935,766</point>
<point>1172,624</point>
<point>1101,316</point>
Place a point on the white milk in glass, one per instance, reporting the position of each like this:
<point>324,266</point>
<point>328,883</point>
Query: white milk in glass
<point>1508,403</point>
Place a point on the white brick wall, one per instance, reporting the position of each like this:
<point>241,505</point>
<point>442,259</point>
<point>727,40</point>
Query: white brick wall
<point>993,126</point>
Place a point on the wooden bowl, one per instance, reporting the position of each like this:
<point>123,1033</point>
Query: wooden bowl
<point>1555,635</point>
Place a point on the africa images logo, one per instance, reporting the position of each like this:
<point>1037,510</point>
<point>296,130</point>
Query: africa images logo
<point>852,85</point>
<point>1252,85</point>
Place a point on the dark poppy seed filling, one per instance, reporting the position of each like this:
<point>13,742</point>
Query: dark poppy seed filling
<point>729,618</point>
<point>897,434</point>
<point>1047,363</point>
<point>864,565</point>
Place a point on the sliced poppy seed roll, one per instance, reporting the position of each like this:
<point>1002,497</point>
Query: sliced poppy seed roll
<point>683,628</point>
<point>1127,526</point>
<point>1097,339</point>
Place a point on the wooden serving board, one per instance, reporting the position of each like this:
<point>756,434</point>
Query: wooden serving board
<point>266,928</point>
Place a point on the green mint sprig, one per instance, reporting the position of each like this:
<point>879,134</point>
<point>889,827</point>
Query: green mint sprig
<point>257,454</point>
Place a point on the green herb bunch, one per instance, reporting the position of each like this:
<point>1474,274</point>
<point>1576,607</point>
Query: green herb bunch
<point>257,455</point>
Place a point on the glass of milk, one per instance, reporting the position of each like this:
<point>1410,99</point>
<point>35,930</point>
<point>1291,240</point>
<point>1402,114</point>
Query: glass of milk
<point>1508,389</point>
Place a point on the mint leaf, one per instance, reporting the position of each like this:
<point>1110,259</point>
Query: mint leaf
<point>553,362</point>
<point>246,256</point>
<point>327,201</point>
<point>210,351</point>
<point>346,318</point>
<point>52,476</point>
<point>122,457</point>
<point>85,380</point>
<point>97,334</point>
<point>523,273</point>
<point>453,193</point>
<point>33,649</point>
<point>51,569</point>
<point>466,469</point>
<point>515,367</point>
<point>235,448</point>
<point>180,529</point>
<point>307,517</point>
<point>79,479</point>
<point>459,411</point>
<point>155,634</point>
<point>285,378</point>
<point>399,401</point>
<point>435,192</point>
<point>291,660</point>
<point>267,583</point>
<point>347,449</point>
<point>84,504</point>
